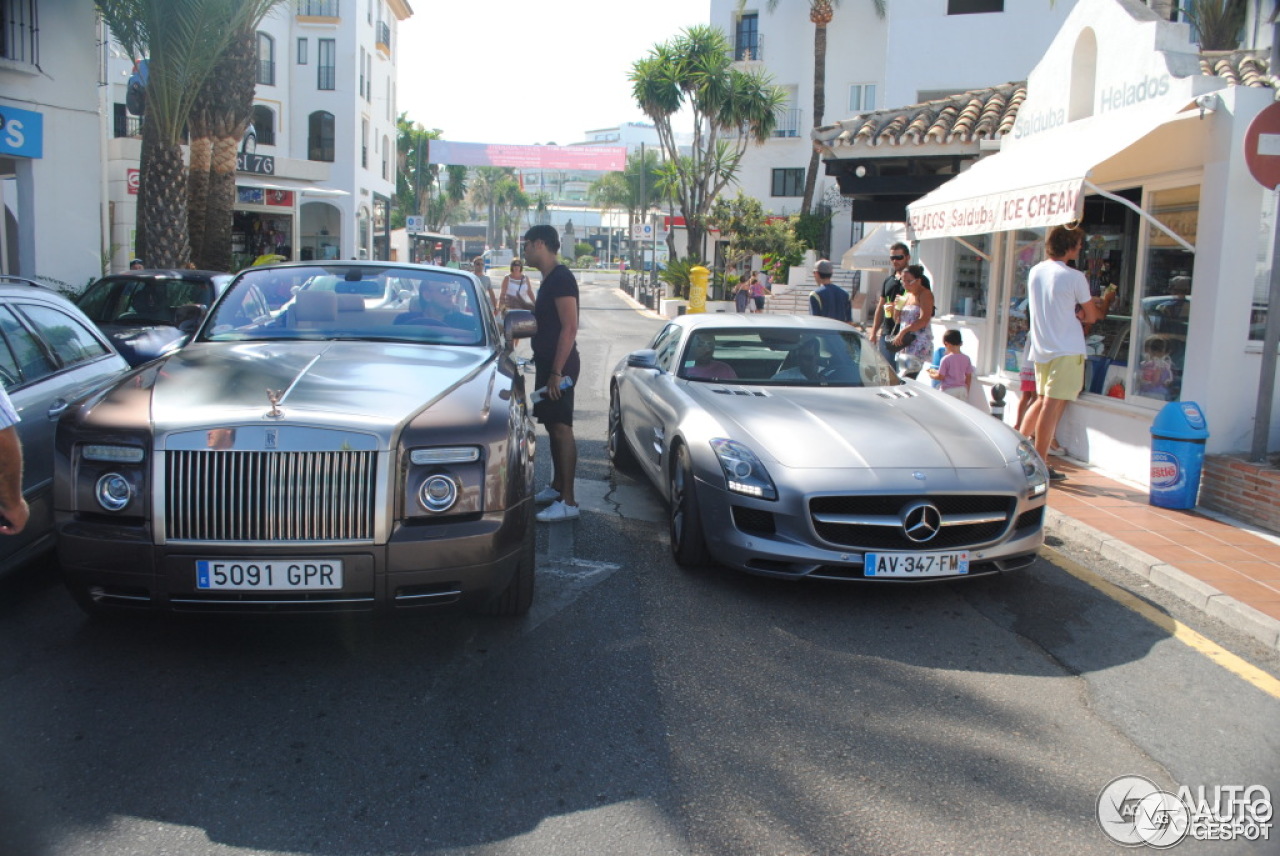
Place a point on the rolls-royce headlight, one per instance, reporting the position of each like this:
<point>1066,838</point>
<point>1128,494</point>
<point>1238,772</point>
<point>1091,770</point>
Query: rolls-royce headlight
<point>743,471</point>
<point>446,455</point>
<point>113,454</point>
<point>114,492</point>
<point>1033,468</point>
<point>438,493</point>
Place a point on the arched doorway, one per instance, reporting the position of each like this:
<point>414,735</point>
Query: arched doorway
<point>321,231</point>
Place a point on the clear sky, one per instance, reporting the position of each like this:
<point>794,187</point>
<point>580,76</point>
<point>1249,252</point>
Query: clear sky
<point>523,71</point>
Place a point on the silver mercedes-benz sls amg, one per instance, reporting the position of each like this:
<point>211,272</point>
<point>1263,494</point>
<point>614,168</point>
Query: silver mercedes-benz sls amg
<point>306,452</point>
<point>787,447</point>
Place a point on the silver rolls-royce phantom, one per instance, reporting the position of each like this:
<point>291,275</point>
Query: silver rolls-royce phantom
<point>308,452</point>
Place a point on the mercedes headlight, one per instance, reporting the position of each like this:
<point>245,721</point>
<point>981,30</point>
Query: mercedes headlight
<point>743,471</point>
<point>1035,470</point>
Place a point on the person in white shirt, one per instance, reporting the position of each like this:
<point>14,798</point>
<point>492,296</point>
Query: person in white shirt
<point>477,267</point>
<point>517,290</point>
<point>1054,292</point>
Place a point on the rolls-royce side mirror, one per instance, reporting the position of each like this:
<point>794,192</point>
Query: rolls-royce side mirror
<point>519,324</point>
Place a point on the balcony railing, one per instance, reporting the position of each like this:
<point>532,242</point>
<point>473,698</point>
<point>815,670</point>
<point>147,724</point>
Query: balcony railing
<point>384,36</point>
<point>318,9</point>
<point>19,32</point>
<point>789,123</point>
<point>749,49</point>
<point>326,77</point>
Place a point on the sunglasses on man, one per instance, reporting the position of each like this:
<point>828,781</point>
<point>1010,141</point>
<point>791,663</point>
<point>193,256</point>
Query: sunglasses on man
<point>897,258</point>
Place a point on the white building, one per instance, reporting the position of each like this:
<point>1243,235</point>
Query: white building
<point>317,174</point>
<point>922,49</point>
<point>1127,128</point>
<point>629,134</point>
<point>50,149</point>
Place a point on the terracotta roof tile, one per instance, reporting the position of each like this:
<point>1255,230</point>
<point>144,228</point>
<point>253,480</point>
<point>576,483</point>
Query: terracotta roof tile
<point>986,114</point>
<point>965,118</point>
<point>1239,68</point>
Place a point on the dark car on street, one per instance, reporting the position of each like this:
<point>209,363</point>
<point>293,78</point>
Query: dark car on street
<point>326,457</point>
<point>147,313</point>
<point>50,356</point>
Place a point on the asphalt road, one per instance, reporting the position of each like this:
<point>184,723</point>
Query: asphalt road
<point>638,709</point>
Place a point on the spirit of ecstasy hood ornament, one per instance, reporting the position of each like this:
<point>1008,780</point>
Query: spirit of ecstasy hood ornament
<point>273,395</point>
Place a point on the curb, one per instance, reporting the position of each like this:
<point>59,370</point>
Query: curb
<point>1184,586</point>
<point>637,305</point>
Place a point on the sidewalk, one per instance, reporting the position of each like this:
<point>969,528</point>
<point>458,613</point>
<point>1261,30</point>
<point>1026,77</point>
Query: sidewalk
<point>1229,572</point>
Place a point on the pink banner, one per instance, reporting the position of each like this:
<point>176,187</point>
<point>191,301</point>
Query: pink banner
<point>595,158</point>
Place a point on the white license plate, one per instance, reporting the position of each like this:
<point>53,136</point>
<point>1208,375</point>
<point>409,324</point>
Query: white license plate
<point>269,574</point>
<point>916,564</point>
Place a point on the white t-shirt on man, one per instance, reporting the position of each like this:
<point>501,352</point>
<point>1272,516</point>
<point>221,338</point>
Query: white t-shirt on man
<point>1053,292</point>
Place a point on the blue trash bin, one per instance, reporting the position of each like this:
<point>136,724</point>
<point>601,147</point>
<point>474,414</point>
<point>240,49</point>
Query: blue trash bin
<point>1177,454</point>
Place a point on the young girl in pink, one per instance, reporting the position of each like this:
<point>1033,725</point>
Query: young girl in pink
<point>955,372</point>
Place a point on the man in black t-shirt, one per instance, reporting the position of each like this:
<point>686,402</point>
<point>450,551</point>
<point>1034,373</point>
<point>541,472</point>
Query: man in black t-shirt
<point>882,326</point>
<point>555,358</point>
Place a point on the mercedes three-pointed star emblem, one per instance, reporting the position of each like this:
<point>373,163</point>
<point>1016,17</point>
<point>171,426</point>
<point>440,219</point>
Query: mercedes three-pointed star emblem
<point>921,521</point>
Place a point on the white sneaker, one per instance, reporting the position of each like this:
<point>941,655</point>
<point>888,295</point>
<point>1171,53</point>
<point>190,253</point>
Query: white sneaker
<point>557,512</point>
<point>547,494</point>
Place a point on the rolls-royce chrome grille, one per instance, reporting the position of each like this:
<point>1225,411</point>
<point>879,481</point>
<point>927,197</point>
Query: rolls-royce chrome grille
<point>270,496</point>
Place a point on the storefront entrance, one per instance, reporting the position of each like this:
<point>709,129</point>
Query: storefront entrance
<point>262,225</point>
<point>321,232</point>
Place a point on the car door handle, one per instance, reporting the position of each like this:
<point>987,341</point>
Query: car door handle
<point>57,408</point>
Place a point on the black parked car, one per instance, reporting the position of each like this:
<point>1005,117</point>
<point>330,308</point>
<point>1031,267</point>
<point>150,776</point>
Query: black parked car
<point>147,313</point>
<point>50,356</point>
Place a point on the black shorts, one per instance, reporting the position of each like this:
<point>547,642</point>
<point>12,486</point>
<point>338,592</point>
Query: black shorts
<point>759,304</point>
<point>550,412</point>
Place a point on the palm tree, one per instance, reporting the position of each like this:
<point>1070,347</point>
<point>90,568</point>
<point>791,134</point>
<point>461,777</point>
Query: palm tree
<point>485,192</point>
<point>513,202</point>
<point>821,12</point>
<point>219,118</point>
<point>730,109</point>
<point>443,208</point>
<point>414,173</point>
<point>1218,23</point>
<point>183,40</point>
<point>608,192</point>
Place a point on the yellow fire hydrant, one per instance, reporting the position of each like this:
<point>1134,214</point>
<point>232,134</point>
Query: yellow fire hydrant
<point>699,277</point>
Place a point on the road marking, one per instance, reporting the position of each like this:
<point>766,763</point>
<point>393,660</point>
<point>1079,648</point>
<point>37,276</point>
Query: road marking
<point>560,583</point>
<point>1184,634</point>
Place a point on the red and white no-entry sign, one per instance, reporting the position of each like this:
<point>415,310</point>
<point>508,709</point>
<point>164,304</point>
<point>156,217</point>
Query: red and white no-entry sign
<point>1262,146</point>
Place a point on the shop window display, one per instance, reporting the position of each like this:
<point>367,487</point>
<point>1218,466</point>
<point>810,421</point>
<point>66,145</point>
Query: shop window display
<point>1165,309</point>
<point>971,277</point>
<point>1028,251</point>
<point>1105,262</point>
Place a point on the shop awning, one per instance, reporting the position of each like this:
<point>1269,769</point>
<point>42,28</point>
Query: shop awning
<point>872,252</point>
<point>274,182</point>
<point>1035,183</point>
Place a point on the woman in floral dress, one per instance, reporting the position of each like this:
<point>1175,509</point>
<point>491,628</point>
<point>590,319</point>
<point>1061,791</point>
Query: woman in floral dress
<point>915,316</point>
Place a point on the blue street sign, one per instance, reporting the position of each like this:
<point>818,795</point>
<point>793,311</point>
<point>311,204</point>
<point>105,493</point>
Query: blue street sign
<point>21,132</point>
